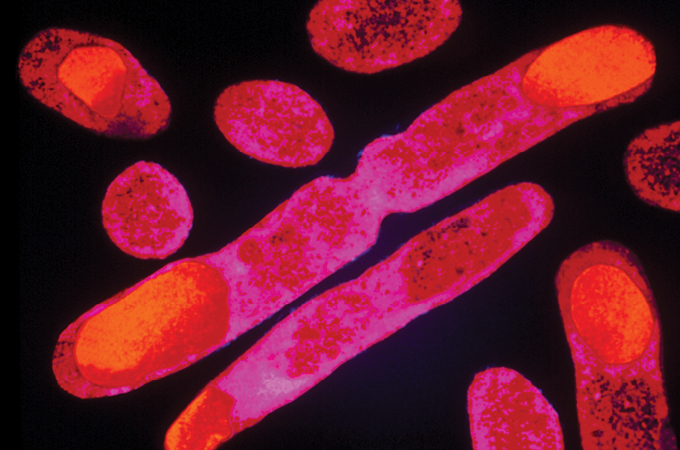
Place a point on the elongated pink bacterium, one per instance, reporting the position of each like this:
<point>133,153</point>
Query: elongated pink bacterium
<point>429,270</point>
<point>274,122</point>
<point>611,323</point>
<point>329,222</point>
<point>507,412</point>
<point>652,165</point>
<point>146,211</point>
<point>369,36</point>
<point>95,82</point>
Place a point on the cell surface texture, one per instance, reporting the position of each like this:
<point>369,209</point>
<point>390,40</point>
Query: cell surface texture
<point>611,322</point>
<point>274,122</point>
<point>652,164</point>
<point>307,346</point>
<point>95,82</point>
<point>146,211</point>
<point>506,411</point>
<point>328,222</point>
<point>368,36</point>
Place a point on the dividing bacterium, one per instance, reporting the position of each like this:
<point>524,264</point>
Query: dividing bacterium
<point>507,412</point>
<point>274,122</point>
<point>369,36</point>
<point>146,211</point>
<point>307,346</point>
<point>652,165</point>
<point>329,222</point>
<point>610,319</point>
<point>95,82</point>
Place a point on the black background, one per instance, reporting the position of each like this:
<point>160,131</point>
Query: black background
<point>408,392</point>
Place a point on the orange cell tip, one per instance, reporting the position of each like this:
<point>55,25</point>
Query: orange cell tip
<point>611,313</point>
<point>96,75</point>
<point>204,424</point>
<point>146,331</point>
<point>590,67</point>
<point>606,297</point>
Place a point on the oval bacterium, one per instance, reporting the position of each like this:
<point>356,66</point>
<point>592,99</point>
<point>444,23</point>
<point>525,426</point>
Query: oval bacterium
<point>652,165</point>
<point>146,211</point>
<point>274,122</point>
<point>369,36</point>
<point>95,82</point>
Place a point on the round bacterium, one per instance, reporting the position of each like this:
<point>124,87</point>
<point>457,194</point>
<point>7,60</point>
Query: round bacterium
<point>274,122</point>
<point>146,211</point>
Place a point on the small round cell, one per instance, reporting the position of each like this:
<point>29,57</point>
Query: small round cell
<point>370,36</point>
<point>652,165</point>
<point>95,82</point>
<point>274,122</point>
<point>146,211</point>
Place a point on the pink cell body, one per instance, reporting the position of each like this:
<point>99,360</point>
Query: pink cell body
<point>146,211</point>
<point>368,36</point>
<point>620,406</point>
<point>329,221</point>
<point>141,111</point>
<point>274,122</point>
<point>429,270</point>
<point>507,412</point>
<point>652,165</point>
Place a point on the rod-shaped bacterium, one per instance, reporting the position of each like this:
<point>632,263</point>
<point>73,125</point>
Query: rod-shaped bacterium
<point>307,346</point>
<point>507,412</point>
<point>329,222</point>
<point>611,322</point>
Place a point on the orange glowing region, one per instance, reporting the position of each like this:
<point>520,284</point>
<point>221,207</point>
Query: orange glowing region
<point>589,67</point>
<point>195,428</point>
<point>612,326</point>
<point>96,75</point>
<point>611,314</point>
<point>142,333</point>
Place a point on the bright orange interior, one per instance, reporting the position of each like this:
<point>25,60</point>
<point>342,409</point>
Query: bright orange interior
<point>589,67</point>
<point>173,316</point>
<point>204,424</point>
<point>611,314</point>
<point>96,75</point>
